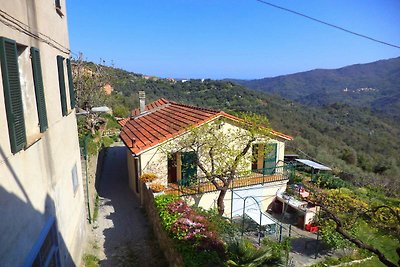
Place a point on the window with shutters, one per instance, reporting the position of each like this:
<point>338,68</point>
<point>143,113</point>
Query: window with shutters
<point>12,94</point>
<point>39,90</point>
<point>61,82</point>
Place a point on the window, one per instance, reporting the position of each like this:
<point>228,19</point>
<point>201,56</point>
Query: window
<point>58,7</point>
<point>75,181</point>
<point>61,82</point>
<point>70,84</point>
<point>264,158</point>
<point>12,94</point>
<point>45,252</point>
<point>39,90</point>
<point>173,167</point>
<point>182,167</point>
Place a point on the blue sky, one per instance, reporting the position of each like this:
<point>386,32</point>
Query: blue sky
<point>231,39</point>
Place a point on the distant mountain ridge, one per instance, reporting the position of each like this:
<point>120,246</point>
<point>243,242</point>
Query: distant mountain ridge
<point>373,85</point>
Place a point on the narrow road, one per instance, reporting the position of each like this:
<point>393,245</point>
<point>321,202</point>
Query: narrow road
<point>124,232</point>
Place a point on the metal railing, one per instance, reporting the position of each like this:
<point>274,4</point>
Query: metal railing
<point>200,185</point>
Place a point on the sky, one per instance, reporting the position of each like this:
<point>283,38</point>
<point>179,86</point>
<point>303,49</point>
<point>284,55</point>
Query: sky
<point>242,39</point>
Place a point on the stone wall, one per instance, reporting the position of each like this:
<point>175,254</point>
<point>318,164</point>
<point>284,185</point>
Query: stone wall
<point>166,243</point>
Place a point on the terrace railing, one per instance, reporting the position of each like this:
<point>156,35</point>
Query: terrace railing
<point>200,185</point>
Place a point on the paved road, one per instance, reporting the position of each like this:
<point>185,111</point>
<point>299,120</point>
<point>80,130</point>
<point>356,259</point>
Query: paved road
<point>123,230</point>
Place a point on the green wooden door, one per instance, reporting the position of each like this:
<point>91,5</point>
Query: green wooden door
<point>189,167</point>
<point>270,159</point>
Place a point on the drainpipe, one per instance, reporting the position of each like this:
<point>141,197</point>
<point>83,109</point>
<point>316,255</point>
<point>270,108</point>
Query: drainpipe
<point>138,168</point>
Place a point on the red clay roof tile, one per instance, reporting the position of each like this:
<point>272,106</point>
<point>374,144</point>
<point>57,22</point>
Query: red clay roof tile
<point>165,119</point>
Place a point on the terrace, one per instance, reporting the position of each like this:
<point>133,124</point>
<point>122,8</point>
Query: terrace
<point>201,185</point>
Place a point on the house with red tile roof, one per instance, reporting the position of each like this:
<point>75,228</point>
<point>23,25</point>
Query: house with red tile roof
<point>150,129</point>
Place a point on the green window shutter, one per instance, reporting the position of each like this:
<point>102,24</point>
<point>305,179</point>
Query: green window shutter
<point>189,167</point>
<point>39,90</point>
<point>12,94</point>
<point>70,84</point>
<point>270,158</point>
<point>61,82</point>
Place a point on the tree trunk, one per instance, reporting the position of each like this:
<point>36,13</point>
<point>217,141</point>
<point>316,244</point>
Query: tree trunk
<point>220,200</point>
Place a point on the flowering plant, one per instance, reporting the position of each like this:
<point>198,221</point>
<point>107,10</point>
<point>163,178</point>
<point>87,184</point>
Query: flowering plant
<point>148,177</point>
<point>157,187</point>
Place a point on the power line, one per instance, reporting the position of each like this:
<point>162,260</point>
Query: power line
<point>328,24</point>
<point>18,25</point>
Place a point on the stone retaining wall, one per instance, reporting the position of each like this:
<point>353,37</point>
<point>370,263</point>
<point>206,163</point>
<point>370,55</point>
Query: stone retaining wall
<point>173,257</point>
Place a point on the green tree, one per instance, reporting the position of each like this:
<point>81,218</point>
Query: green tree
<point>342,210</point>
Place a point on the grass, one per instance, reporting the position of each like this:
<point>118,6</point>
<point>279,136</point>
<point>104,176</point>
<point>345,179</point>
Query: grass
<point>90,260</point>
<point>96,208</point>
<point>384,242</point>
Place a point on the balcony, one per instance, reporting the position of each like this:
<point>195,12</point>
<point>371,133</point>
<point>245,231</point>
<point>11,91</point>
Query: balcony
<point>201,185</point>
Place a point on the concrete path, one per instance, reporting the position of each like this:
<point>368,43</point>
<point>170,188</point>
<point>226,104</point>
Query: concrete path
<point>122,228</point>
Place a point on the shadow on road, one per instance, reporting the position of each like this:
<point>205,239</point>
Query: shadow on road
<point>128,236</point>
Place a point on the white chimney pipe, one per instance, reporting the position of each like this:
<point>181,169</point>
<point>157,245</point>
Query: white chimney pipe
<point>142,101</point>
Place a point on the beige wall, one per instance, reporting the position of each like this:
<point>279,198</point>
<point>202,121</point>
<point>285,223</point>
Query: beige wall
<point>36,182</point>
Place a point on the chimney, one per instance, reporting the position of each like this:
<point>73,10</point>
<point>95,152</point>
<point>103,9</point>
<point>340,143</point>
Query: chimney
<point>142,101</point>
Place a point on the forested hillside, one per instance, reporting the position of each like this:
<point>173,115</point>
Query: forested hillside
<point>374,85</point>
<point>360,146</point>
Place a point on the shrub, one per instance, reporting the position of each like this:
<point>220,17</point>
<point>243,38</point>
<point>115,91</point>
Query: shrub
<point>148,177</point>
<point>199,245</point>
<point>330,182</point>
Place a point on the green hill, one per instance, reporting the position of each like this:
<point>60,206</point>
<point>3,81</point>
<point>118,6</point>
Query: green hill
<point>374,85</point>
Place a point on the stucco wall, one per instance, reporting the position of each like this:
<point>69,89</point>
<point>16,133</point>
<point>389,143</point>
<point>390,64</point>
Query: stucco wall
<point>36,183</point>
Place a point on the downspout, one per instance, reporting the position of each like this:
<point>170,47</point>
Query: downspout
<point>138,168</point>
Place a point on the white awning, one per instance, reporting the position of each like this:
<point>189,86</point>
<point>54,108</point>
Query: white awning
<point>252,206</point>
<point>314,164</point>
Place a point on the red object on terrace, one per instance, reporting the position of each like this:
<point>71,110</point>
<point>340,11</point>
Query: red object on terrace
<point>163,120</point>
<point>311,228</point>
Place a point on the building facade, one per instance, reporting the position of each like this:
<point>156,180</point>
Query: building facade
<point>41,195</point>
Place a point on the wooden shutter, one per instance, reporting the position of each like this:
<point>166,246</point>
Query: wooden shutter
<point>12,94</point>
<point>70,84</point>
<point>61,82</point>
<point>39,90</point>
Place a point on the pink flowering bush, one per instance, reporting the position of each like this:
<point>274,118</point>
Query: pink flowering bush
<point>195,236</point>
<point>189,226</point>
<point>178,206</point>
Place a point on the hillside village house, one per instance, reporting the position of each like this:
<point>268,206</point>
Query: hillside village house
<point>42,212</point>
<point>152,127</point>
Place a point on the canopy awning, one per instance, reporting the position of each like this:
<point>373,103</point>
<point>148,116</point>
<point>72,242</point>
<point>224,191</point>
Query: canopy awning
<point>314,164</point>
<point>249,201</point>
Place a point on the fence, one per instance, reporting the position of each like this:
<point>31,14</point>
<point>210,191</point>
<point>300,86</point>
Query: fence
<point>200,185</point>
